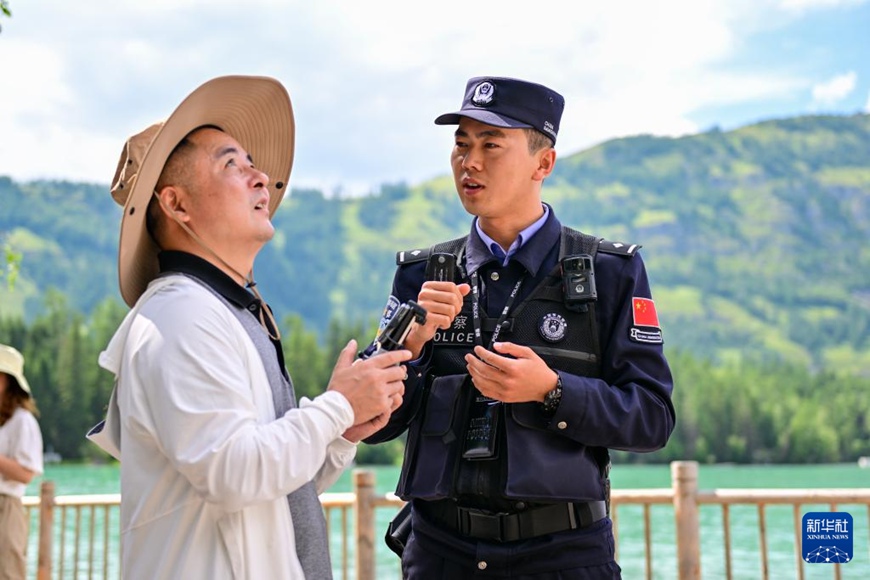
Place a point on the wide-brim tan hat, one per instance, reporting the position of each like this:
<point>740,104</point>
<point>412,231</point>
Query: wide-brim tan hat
<point>255,111</point>
<point>12,363</point>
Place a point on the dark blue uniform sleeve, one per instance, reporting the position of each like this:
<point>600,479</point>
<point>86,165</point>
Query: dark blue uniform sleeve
<point>407,282</point>
<point>629,407</point>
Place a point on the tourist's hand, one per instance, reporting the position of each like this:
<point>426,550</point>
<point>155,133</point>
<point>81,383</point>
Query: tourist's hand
<point>359,432</point>
<point>373,386</point>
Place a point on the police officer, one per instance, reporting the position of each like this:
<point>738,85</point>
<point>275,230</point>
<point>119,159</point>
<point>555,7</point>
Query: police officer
<point>540,352</point>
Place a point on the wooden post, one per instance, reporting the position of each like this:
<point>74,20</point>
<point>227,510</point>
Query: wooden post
<point>46,526</point>
<point>684,478</point>
<point>364,488</point>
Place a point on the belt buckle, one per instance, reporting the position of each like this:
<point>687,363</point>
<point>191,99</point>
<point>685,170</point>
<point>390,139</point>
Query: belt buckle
<point>573,520</point>
<point>476,523</point>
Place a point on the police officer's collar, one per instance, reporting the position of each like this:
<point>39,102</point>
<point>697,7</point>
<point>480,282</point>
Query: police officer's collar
<point>531,255</point>
<point>192,265</point>
<point>521,239</point>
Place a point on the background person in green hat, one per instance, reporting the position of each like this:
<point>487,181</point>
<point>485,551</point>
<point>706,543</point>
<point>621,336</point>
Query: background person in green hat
<point>20,460</point>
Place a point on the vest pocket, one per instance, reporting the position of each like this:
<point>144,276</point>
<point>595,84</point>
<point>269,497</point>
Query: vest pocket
<point>437,447</point>
<point>441,405</point>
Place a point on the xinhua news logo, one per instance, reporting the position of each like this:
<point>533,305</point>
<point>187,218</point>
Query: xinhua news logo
<point>827,538</point>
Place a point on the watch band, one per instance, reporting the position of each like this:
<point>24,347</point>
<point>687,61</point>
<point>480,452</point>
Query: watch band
<point>553,398</point>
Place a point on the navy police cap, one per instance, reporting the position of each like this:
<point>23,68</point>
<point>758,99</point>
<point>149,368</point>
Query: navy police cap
<point>510,103</point>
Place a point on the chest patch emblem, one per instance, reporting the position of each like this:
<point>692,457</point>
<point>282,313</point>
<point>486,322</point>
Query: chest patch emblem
<point>553,327</point>
<point>389,311</point>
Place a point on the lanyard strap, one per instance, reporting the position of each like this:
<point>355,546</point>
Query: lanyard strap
<point>483,413</point>
<point>475,309</point>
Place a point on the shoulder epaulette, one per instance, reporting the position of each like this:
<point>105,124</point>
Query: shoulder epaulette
<point>619,248</point>
<point>411,256</point>
<point>454,247</point>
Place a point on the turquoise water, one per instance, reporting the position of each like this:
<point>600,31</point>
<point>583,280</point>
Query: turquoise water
<point>73,479</point>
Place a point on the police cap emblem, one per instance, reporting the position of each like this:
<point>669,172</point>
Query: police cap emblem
<point>553,327</point>
<point>483,94</point>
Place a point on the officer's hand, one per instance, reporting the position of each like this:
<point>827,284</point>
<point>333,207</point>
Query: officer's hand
<point>442,301</point>
<point>519,377</point>
<point>373,386</point>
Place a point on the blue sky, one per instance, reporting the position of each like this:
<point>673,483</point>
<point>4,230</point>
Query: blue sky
<point>367,78</point>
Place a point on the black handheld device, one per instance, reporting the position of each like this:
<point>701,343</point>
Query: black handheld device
<point>393,336</point>
<point>441,267</point>
<point>578,281</point>
<point>482,429</point>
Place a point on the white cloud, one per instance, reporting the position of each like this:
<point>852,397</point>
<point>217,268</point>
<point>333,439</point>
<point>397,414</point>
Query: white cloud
<point>835,89</point>
<point>368,78</point>
<point>26,77</point>
<point>805,5</point>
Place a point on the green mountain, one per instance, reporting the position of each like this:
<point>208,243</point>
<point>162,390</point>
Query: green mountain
<point>757,239</point>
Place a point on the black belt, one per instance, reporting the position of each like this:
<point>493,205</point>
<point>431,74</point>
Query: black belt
<point>509,527</point>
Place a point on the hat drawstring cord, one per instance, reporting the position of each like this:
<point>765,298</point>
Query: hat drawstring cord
<point>271,327</point>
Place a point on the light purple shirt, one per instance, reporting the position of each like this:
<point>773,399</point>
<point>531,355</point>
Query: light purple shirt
<point>522,238</point>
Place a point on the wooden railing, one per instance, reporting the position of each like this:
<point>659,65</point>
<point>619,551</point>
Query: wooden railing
<point>83,539</point>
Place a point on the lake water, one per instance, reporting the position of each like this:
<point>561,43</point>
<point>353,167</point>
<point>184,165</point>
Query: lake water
<point>74,479</point>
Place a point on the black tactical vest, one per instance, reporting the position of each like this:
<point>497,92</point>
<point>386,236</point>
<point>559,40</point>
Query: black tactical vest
<point>565,337</point>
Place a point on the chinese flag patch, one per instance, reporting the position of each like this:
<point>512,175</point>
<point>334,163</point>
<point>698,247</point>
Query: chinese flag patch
<point>644,312</point>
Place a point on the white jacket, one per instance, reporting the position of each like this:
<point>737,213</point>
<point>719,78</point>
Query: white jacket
<point>205,467</point>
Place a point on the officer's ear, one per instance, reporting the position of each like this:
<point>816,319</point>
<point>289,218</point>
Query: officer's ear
<point>546,162</point>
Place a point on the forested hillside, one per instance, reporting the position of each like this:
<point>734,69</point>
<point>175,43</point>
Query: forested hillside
<point>757,239</point>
